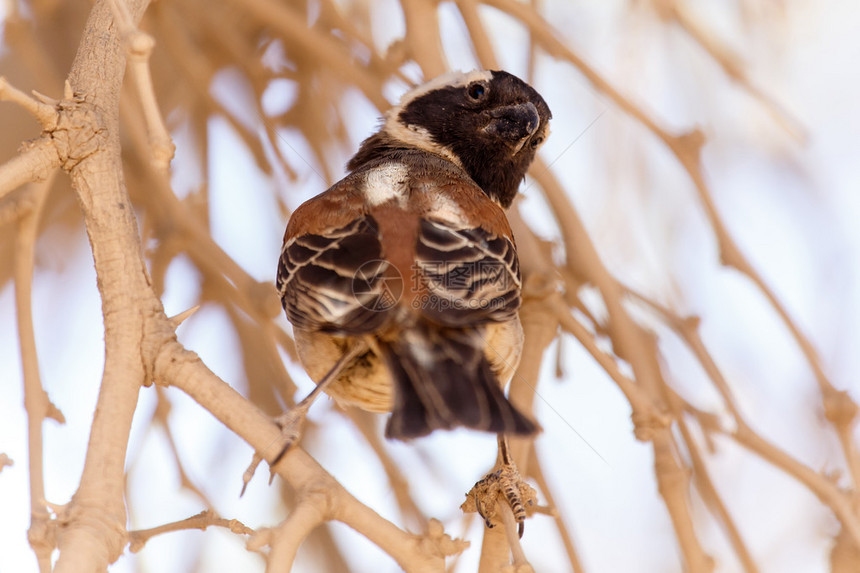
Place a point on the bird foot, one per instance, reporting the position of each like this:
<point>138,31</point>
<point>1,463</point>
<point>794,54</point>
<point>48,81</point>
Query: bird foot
<point>292,423</point>
<point>504,485</point>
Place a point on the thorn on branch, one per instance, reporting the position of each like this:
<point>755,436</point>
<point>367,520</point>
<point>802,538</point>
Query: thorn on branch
<point>53,412</point>
<point>249,473</point>
<point>47,100</point>
<point>178,319</point>
<point>547,510</point>
<point>5,461</point>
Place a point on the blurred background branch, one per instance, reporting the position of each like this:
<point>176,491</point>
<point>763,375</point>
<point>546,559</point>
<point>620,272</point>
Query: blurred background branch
<point>687,238</point>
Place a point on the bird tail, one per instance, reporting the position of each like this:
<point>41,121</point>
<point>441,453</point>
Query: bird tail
<point>443,380</point>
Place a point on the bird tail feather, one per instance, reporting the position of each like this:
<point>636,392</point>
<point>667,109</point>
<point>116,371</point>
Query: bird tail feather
<point>443,380</point>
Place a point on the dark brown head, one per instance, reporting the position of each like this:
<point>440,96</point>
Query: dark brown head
<point>490,123</point>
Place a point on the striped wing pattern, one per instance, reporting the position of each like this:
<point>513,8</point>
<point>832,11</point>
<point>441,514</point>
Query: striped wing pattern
<point>335,281</point>
<point>471,275</point>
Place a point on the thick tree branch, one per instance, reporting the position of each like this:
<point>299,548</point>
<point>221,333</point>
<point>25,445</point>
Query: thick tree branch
<point>178,367</point>
<point>93,533</point>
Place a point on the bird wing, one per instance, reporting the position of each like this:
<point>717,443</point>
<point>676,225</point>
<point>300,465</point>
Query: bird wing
<point>471,275</point>
<point>332,275</point>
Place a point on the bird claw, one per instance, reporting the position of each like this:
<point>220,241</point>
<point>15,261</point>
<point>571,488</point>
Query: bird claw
<point>504,485</point>
<point>292,424</point>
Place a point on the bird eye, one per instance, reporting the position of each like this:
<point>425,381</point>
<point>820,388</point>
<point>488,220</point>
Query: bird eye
<point>536,142</point>
<point>476,91</point>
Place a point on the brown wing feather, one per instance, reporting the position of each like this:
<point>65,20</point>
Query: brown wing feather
<point>332,275</point>
<point>471,276</point>
<point>338,206</point>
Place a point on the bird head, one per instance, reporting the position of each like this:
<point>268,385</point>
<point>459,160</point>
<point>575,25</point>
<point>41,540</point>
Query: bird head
<point>489,123</point>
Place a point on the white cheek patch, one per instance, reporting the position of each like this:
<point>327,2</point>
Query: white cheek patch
<point>386,183</point>
<point>420,138</point>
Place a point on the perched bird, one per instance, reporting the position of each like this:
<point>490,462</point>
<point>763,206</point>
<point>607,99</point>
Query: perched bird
<point>402,280</point>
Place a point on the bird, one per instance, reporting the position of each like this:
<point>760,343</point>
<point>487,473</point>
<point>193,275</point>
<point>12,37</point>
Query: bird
<point>402,281</point>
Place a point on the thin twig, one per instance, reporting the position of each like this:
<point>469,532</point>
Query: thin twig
<point>729,62</point>
<point>139,46</point>
<point>712,498</point>
<point>42,534</point>
<point>207,518</point>
<point>34,163</point>
<point>177,367</point>
<point>44,112</point>
<point>536,473</point>
<point>478,34</point>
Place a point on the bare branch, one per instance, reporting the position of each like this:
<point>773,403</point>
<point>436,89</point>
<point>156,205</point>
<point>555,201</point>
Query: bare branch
<point>327,52</point>
<point>178,319</point>
<point>332,55</point>
<point>139,46</point>
<point>536,472</point>
<point>34,163</point>
<point>286,538</point>
<point>712,498</point>
<point>729,61</point>
<point>177,367</point>
<point>207,518</point>
<point>44,112</point>
<point>423,40</point>
<point>41,535</point>
<point>93,532</point>
<point>478,34</point>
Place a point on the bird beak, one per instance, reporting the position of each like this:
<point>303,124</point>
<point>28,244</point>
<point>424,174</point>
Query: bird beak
<point>519,145</point>
<point>514,123</point>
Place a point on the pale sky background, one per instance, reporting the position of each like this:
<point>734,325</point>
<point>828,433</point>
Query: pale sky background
<point>792,208</point>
